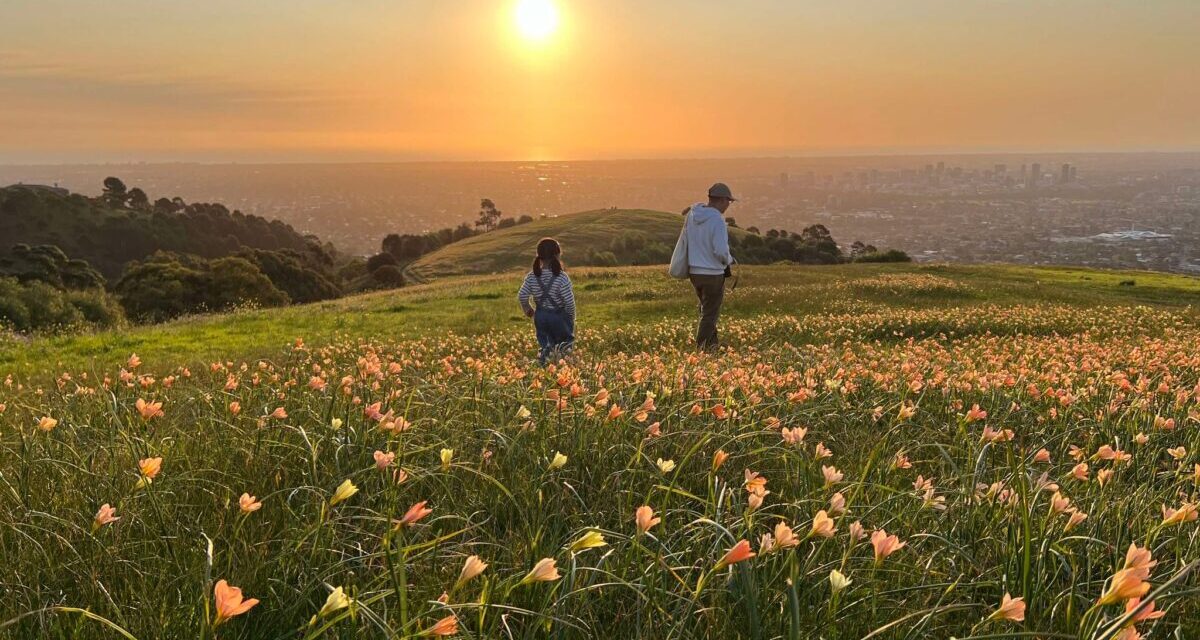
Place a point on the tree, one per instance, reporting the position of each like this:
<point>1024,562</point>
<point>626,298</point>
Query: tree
<point>525,219</point>
<point>114,192</point>
<point>137,199</point>
<point>489,215</point>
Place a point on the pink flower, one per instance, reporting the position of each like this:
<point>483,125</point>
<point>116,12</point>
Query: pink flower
<point>384,460</point>
<point>884,544</point>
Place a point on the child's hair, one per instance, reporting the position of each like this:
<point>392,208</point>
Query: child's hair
<point>548,253</point>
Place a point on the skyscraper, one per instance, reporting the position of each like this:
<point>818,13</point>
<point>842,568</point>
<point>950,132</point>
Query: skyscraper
<point>1065,176</point>
<point>1035,175</point>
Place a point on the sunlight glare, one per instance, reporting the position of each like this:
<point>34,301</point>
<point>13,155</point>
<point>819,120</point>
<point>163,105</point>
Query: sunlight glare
<point>536,19</point>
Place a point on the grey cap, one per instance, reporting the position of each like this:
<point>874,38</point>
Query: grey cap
<point>720,190</point>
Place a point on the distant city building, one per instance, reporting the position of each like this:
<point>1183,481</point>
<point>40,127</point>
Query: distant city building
<point>1035,175</point>
<point>1065,175</point>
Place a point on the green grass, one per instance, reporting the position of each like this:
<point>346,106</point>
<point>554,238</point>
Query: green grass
<point>475,305</point>
<point>878,363</point>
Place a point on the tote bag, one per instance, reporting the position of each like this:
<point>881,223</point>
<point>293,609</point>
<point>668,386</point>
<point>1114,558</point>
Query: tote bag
<point>679,259</point>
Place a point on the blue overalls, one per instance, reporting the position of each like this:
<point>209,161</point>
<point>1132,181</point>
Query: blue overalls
<point>555,331</point>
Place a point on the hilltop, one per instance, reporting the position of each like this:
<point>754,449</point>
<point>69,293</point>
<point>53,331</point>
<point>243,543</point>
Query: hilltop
<point>583,235</point>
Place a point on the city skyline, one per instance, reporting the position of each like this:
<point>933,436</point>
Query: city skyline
<point>136,80</point>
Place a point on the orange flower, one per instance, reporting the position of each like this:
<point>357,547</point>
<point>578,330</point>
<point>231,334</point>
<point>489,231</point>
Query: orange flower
<point>784,537</point>
<point>821,451</point>
<point>832,475</point>
<point>1080,472</point>
<point>719,412</point>
<point>1139,560</point>
<point>229,602</point>
<point>47,424</point>
<point>248,503</point>
<point>149,467</point>
<point>837,504</point>
<point>384,460</point>
<point>544,571</point>
<point>822,526</point>
<point>754,482</point>
<point>1125,584</point>
<point>447,626</point>
<point>1077,517</point>
<point>615,412</point>
<point>1010,609</point>
<point>884,544</point>
<point>738,553</point>
<point>106,515</point>
<point>1042,456</point>
<point>793,436</point>
<point>472,567</point>
<point>1059,503</point>
<point>1185,513</point>
<point>856,531</point>
<point>279,413</point>
<point>975,413</point>
<point>1145,614</point>
<point>148,410</point>
<point>719,458</point>
<point>235,407</point>
<point>414,513</point>
<point>645,518</point>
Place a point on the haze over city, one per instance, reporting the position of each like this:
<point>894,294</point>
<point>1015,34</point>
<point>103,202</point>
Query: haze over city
<point>311,80</point>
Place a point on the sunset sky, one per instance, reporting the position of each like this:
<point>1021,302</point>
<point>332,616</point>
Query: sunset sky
<point>313,80</point>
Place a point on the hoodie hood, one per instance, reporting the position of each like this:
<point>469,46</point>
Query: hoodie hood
<point>702,213</point>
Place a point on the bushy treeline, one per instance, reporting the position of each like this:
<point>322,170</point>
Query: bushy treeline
<point>151,261</point>
<point>813,245</point>
<point>122,225</point>
<point>41,289</point>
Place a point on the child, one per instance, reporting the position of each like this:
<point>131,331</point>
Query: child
<point>550,287</point>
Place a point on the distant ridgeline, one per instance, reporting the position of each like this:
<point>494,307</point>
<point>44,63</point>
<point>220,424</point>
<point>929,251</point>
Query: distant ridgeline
<point>73,261</point>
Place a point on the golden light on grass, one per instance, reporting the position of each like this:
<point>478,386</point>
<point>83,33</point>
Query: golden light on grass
<point>536,20</point>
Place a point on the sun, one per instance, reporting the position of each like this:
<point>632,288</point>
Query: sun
<point>536,19</point>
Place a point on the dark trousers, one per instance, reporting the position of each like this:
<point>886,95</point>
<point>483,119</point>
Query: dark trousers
<point>555,333</point>
<point>711,292</point>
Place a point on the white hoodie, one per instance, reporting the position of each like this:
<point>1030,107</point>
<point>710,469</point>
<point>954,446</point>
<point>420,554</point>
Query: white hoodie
<point>708,241</point>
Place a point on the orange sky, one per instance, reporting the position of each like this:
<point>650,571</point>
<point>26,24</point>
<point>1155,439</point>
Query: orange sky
<point>391,79</point>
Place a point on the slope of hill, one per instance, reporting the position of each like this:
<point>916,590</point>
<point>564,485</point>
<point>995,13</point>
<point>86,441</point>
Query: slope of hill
<point>886,451</point>
<point>512,248</point>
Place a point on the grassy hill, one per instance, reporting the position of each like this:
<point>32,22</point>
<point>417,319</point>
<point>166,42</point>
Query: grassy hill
<point>512,248</point>
<point>993,432</point>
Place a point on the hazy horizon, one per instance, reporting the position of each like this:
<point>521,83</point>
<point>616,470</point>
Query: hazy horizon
<point>573,80</point>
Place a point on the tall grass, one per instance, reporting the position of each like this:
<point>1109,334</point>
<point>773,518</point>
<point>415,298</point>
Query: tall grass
<point>963,399</point>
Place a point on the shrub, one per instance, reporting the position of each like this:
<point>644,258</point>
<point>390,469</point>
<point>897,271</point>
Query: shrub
<point>389,276</point>
<point>891,255</point>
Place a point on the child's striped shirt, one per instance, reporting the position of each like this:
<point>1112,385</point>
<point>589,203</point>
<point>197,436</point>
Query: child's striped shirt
<point>561,295</point>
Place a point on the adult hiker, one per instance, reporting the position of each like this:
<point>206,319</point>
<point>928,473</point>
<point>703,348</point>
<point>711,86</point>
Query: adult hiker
<point>702,256</point>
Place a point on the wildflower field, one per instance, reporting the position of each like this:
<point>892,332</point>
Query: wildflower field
<point>884,452</point>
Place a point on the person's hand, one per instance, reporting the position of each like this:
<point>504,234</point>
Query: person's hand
<point>529,313</point>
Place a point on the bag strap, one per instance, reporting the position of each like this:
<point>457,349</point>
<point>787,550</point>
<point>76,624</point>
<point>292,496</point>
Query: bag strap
<point>546,291</point>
